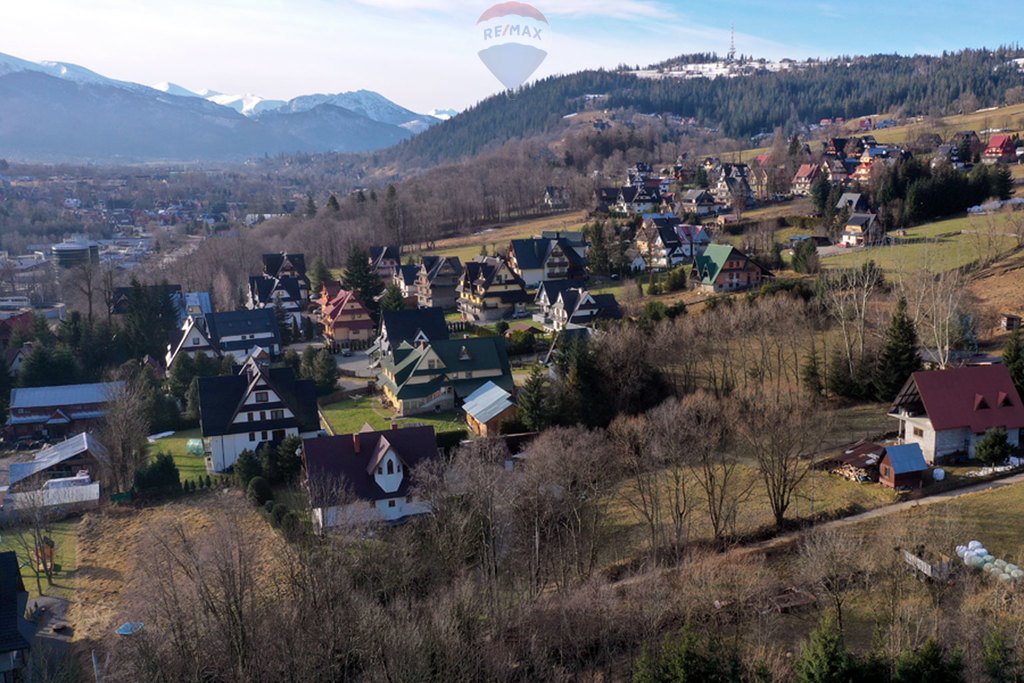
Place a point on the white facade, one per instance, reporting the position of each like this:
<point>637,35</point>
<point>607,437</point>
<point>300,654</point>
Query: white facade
<point>937,445</point>
<point>369,512</point>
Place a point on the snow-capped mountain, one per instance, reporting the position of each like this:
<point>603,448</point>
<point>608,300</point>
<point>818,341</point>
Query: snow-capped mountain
<point>370,104</point>
<point>59,111</point>
<point>442,114</point>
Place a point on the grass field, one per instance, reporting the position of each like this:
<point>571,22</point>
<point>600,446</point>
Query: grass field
<point>1008,118</point>
<point>65,538</point>
<point>934,247</point>
<point>189,466</point>
<point>468,247</point>
<point>349,416</point>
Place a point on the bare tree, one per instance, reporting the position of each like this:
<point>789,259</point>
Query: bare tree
<point>780,434</point>
<point>831,561</point>
<point>935,304</point>
<point>123,431</point>
<point>847,296</point>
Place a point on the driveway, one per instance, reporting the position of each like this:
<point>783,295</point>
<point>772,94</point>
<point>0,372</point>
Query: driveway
<point>357,364</point>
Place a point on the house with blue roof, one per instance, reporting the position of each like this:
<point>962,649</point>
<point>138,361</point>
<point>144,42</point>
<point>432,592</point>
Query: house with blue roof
<point>902,466</point>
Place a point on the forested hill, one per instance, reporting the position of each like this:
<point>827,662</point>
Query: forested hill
<point>740,107</point>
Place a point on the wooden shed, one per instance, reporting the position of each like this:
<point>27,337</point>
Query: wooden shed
<point>902,466</point>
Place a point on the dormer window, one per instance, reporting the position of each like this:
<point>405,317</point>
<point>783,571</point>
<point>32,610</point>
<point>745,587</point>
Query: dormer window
<point>1004,400</point>
<point>464,354</point>
<point>980,403</point>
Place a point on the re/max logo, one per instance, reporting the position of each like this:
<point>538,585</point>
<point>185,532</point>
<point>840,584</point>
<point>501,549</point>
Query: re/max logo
<point>512,30</point>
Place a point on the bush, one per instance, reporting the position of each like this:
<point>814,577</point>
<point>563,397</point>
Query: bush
<point>278,514</point>
<point>259,491</point>
<point>994,448</point>
<point>449,440</point>
<point>158,477</point>
<point>268,507</point>
<point>209,482</point>
<point>247,467</point>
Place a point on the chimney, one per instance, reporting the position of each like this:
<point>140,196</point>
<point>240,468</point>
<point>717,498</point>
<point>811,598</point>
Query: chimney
<point>356,446</point>
<point>394,426</point>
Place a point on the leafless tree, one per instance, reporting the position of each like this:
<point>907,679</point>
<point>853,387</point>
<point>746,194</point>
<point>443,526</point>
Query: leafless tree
<point>847,296</point>
<point>123,431</point>
<point>935,303</point>
<point>831,561</point>
<point>780,434</point>
<point>29,515</point>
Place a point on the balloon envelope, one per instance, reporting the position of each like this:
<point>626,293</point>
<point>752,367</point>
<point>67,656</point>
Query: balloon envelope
<point>513,41</point>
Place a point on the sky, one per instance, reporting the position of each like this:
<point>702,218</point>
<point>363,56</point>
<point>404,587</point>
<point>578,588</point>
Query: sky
<point>422,53</point>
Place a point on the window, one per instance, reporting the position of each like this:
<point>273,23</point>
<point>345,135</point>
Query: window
<point>380,470</point>
<point>408,499</point>
<point>399,467</point>
<point>264,436</point>
<point>252,436</point>
<point>391,503</point>
<point>250,417</point>
<point>276,414</point>
<point>263,415</point>
<point>195,341</point>
<point>262,397</point>
<point>918,432</point>
<point>391,466</point>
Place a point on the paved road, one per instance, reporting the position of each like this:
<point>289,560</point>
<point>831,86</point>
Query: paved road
<point>783,540</point>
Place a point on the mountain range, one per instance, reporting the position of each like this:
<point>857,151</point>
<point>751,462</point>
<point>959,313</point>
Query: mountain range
<point>55,111</point>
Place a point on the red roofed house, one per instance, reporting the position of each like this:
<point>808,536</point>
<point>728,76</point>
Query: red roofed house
<point>345,318</point>
<point>1001,149</point>
<point>18,322</point>
<point>804,178</point>
<point>948,411</point>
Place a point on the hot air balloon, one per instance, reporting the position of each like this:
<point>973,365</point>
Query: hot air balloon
<point>515,40</point>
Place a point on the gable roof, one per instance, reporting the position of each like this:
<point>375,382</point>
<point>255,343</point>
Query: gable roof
<point>389,253</point>
<point>806,172</point>
<point>56,454</point>
<point>488,402</point>
<point>710,264</point>
<point>11,589</point>
<point>852,200</point>
<point>262,288</point>
<point>1000,142</point>
<point>978,398</point>
<point>221,397</point>
<point>335,461</point>
<point>66,395</point>
<point>532,254</point>
<point>407,325</point>
<point>906,458</point>
<point>433,265</point>
<point>273,263</point>
<point>551,289</point>
<point>864,221</point>
<point>238,323</point>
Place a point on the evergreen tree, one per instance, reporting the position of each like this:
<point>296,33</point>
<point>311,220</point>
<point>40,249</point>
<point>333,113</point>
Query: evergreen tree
<point>534,401</point>
<point>392,299</point>
<point>292,360</point>
<point>900,357</point>
<point>307,362</point>
<point>1002,182</point>
<point>310,206</point>
<point>325,372</point>
<point>332,204</point>
<point>994,448</point>
<point>1013,359</point>
<point>824,658</point>
<point>811,375</point>
<point>283,320</point>
<point>930,664</point>
<point>318,273</point>
<point>998,659</point>
<point>821,188</point>
<point>361,278</point>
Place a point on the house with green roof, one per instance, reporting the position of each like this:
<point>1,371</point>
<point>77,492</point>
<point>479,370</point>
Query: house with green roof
<point>438,375</point>
<point>724,268</point>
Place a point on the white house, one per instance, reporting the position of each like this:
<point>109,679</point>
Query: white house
<point>260,405</point>
<point>948,411</point>
<point>366,477</point>
<point>220,334</point>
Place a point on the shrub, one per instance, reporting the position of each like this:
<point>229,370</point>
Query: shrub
<point>247,467</point>
<point>994,448</point>
<point>278,513</point>
<point>259,491</point>
<point>159,476</point>
<point>268,507</point>
<point>209,482</point>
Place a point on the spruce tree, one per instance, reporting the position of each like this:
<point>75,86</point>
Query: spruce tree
<point>333,205</point>
<point>533,401</point>
<point>392,299</point>
<point>824,658</point>
<point>1013,359</point>
<point>361,278</point>
<point>900,357</point>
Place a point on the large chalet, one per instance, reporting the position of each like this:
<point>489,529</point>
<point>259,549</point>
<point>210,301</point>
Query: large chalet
<point>724,268</point>
<point>539,259</point>
<point>233,333</point>
<point>491,291</point>
<point>258,405</point>
<point>437,282</point>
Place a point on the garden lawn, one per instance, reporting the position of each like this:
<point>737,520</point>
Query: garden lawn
<point>939,246</point>
<point>65,538</point>
<point>189,466</point>
<point>348,417</point>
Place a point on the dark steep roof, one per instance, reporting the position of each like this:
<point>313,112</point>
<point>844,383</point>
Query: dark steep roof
<point>405,325</point>
<point>11,585</point>
<point>234,323</point>
<point>333,461</point>
<point>220,398</point>
<point>272,263</point>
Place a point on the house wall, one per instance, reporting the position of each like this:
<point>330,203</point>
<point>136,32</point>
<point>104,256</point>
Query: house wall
<point>368,512</point>
<point>225,449</point>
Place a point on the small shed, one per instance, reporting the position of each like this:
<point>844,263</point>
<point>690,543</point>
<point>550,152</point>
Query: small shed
<point>1009,322</point>
<point>488,408</point>
<point>902,466</point>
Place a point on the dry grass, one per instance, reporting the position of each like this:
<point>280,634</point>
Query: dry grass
<point>115,548</point>
<point>468,247</point>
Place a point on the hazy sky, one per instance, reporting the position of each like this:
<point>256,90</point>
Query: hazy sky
<point>422,53</point>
